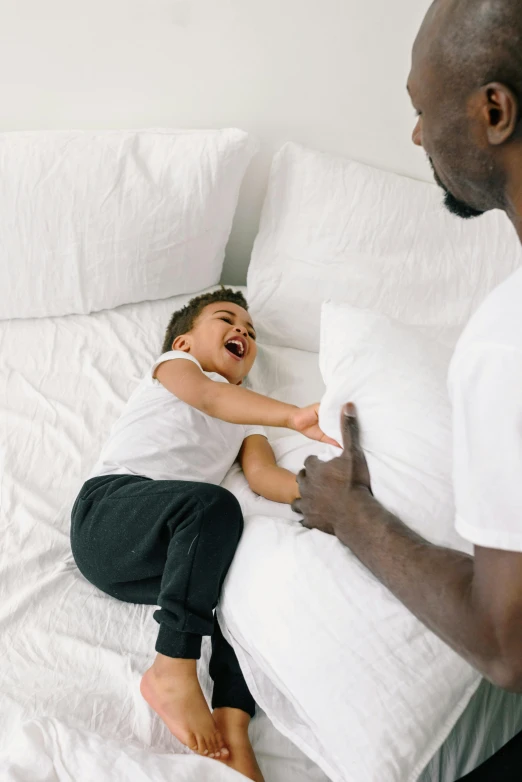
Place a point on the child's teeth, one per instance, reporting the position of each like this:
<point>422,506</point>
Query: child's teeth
<point>241,347</point>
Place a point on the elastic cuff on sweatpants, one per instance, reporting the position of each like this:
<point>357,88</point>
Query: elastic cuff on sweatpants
<point>233,694</point>
<point>172,643</point>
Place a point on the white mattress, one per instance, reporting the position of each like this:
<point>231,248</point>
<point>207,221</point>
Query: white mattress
<point>72,657</point>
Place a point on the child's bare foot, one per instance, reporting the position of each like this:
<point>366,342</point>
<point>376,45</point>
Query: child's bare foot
<point>172,689</point>
<point>233,725</point>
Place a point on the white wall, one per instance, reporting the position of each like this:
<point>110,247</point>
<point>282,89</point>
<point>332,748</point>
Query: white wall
<point>327,73</point>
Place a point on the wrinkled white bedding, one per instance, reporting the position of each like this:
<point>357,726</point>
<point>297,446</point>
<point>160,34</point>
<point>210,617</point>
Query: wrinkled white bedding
<point>96,219</point>
<point>71,656</point>
<point>68,651</point>
<point>61,753</point>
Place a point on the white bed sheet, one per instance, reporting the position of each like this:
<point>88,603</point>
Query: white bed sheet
<point>72,656</point>
<point>69,652</point>
<point>62,754</point>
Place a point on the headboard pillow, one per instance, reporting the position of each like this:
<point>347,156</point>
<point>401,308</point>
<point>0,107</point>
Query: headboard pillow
<point>92,220</point>
<point>334,228</point>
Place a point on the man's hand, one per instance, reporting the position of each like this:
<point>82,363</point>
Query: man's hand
<point>328,489</point>
<point>306,421</point>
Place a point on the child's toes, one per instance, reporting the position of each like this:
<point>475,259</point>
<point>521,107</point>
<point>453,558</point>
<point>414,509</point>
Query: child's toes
<point>214,745</point>
<point>202,745</point>
<point>191,742</point>
<point>221,746</point>
<point>211,746</point>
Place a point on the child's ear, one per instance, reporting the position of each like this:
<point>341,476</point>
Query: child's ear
<point>181,342</point>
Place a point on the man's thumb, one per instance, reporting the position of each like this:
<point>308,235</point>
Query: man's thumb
<point>352,446</point>
<point>349,429</point>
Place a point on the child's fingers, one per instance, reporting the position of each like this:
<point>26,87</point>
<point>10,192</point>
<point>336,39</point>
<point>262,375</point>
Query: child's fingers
<point>317,434</point>
<point>326,439</point>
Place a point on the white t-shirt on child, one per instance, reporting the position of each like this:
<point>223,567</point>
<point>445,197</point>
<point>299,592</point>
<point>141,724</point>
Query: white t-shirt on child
<point>161,437</point>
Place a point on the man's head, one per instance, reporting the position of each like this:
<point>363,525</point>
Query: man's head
<point>466,85</point>
<point>217,330</point>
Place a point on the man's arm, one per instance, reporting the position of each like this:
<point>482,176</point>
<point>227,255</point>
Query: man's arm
<point>473,604</point>
<point>262,473</point>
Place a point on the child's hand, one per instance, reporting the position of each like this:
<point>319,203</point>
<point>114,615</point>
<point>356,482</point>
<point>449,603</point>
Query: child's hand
<point>306,421</point>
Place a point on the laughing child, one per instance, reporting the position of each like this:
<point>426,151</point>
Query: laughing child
<point>152,524</point>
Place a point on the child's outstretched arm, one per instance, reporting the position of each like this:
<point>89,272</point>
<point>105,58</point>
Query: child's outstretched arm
<point>262,473</point>
<point>235,404</point>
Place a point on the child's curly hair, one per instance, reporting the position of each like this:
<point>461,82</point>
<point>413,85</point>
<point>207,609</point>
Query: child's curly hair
<point>183,320</point>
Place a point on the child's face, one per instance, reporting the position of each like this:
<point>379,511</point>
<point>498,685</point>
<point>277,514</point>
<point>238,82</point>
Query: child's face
<point>223,340</point>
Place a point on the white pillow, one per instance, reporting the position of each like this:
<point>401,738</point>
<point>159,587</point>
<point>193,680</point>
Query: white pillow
<point>396,375</point>
<point>92,220</point>
<point>338,663</point>
<point>333,228</point>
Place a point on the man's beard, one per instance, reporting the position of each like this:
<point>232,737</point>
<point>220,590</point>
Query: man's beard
<point>452,204</point>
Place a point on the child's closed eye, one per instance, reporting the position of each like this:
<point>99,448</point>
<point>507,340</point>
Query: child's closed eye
<point>229,320</point>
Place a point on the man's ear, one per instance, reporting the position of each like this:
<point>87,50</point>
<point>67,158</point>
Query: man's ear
<point>182,342</point>
<point>500,111</point>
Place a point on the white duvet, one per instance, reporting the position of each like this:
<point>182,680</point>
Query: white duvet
<point>46,750</point>
<point>71,654</point>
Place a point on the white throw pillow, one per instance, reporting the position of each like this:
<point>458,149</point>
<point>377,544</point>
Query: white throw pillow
<point>396,375</point>
<point>92,220</point>
<point>337,663</point>
<point>334,228</point>
<point>335,660</point>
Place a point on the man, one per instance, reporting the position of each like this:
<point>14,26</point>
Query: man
<point>466,85</point>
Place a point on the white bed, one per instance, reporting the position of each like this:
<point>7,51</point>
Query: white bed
<point>72,657</point>
<point>70,654</point>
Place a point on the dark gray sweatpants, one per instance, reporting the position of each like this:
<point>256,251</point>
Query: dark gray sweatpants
<point>165,543</point>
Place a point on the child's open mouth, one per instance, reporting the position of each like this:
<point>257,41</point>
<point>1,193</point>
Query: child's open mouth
<point>236,347</point>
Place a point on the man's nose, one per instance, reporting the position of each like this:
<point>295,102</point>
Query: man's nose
<point>417,134</point>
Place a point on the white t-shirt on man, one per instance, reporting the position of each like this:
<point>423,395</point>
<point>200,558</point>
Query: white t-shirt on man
<point>161,437</point>
<point>485,384</point>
